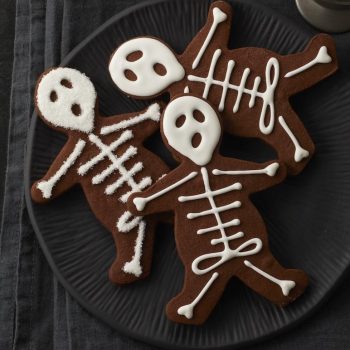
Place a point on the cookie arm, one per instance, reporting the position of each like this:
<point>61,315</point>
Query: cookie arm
<point>162,196</point>
<point>61,175</point>
<point>297,146</point>
<point>302,70</point>
<point>256,176</point>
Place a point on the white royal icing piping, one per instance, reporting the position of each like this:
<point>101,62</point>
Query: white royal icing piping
<point>125,136</point>
<point>47,186</point>
<point>145,182</point>
<point>234,222</point>
<point>187,310</point>
<point>321,57</point>
<point>141,202</point>
<point>285,285</point>
<point>267,96</point>
<point>227,253</point>
<point>134,266</point>
<point>128,222</point>
<point>117,163</point>
<point>136,168</point>
<point>235,186</point>
<point>270,170</point>
<point>300,153</point>
<point>59,112</point>
<point>148,82</point>
<point>152,113</point>
<point>233,205</point>
<point>218,17</point>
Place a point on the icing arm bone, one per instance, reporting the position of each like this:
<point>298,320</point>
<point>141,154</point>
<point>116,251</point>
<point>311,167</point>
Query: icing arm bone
<point>258,176</point>
<point>316,62</point>
<point>157,196</point>
<point>58,178</point>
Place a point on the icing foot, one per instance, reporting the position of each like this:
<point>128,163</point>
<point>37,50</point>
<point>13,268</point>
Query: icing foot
<point>122,272</point>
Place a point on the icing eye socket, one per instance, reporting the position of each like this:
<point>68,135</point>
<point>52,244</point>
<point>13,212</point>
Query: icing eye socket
<point>76,110</point>
<point>53,96</point>
<point>159,69</point>
<point>196,140</point>
<point>180,121</point>
<point>66,83</point>
<point>134,56</point>
<point>130,75</point>
<point>199,116</point>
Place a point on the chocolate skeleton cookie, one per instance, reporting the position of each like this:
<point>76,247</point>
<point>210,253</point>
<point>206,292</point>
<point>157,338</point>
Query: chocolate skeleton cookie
<point>105,155</point>
<point>219,233</point>
<point>250,86</point>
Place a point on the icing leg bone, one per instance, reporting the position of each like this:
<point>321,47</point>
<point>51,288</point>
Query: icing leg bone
<point>134,266</point>
<point>46,187</point>
<point>125,224</point>
<point>187,310</point>
<point>270,170</point>
<point>321,58</point>
<point>300,153</point>
<point>285,285</point>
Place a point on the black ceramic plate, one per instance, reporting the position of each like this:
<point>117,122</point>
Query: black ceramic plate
<point>308,217</point>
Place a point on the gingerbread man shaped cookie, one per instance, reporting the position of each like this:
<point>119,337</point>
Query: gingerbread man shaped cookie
<point>219,233</point>
<point>250,86</point>
<point>105,155</point>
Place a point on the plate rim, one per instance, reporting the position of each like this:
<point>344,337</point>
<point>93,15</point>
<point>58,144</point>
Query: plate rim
<point>148,340</point>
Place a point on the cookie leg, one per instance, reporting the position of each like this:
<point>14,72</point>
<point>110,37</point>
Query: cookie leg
<point>197,298</point>
<point>267,277</point>
<point>134,254</point>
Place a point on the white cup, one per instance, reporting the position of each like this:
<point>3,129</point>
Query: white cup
<point>326,15</point>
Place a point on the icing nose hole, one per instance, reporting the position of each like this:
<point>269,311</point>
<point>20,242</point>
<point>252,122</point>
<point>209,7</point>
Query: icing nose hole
<point>180,121</point>
<point>159,69</point>
<point>196,140</point>
<point>53,96</point>
<point>199,116</point>
<point>130,75</point>
<point>66,83</point>
<point>134,56</point>
<point>76,110</point>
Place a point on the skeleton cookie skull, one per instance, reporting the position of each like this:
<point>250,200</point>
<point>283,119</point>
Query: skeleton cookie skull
<point>188,118</point>
<point>145,80</point>
<point>66,98</point>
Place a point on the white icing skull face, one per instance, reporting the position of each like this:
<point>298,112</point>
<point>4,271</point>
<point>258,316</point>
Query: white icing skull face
<point>144,67</point>
<point>66,98</point>
<point>191,126</point>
